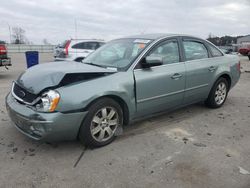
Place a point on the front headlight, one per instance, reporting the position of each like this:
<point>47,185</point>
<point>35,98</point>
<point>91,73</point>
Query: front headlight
<point>49,101</point>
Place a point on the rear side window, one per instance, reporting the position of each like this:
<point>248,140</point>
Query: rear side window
<point>91,45</point>
<point>215,52</point>
<point>195,50</point>
<point>79,46</point>
<point>86,45</point>
<point>101,43</point>
<point>169,52</point>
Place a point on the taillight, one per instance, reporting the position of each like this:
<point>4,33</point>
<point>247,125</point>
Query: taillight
<point>3,50</point>
<point>238,66</point>
<point>66,48</point>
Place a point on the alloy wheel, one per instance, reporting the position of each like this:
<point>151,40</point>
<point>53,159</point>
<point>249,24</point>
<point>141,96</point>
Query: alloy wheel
<point>104,124</point>
<point>220,93</point>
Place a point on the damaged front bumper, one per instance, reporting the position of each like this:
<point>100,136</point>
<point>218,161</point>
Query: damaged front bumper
<point>55,126</point>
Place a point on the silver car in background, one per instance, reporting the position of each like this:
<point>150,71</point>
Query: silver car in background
<point>124,80</point>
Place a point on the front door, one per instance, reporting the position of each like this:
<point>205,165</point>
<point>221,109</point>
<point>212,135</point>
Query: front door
<point>161,87</point>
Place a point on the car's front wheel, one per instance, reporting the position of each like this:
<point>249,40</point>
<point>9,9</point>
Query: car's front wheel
<point>101,123</point>
<point>218,93</point>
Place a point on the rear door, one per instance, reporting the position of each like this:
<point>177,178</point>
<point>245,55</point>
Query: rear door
<point>160,87</point>
<point>200,69</point>
<point>77,49</point>
<point>85,48</point>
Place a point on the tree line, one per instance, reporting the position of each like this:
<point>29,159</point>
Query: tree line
<point>18,36</point>
<point>223,41</point>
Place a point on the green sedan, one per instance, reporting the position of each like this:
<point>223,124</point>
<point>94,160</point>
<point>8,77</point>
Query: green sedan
<point>124,80</point>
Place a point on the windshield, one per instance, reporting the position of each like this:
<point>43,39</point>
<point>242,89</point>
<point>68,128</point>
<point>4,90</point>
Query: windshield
<point>117,53</point>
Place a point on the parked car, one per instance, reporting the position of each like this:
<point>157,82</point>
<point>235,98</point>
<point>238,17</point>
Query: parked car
<point>76,49</point>
<point>4,59</point>
<point>244,50</point>
<point>124,80</point>
<point>227,51</point>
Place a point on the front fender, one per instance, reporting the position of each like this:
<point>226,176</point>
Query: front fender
<point>78,96</point>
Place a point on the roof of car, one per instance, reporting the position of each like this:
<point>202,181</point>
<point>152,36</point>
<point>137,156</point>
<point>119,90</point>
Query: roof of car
<point>154,36</point>
<point>98,40</point>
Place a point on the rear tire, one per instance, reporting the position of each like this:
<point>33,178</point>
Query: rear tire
<point>218,93</point>
<point>101,123</point>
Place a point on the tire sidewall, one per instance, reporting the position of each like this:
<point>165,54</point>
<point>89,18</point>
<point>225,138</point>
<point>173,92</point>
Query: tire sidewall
<point>211,99</point>
<point>85,135</point>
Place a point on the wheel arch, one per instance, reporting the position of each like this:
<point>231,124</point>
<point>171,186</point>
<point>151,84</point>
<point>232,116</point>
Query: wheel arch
<point>120,101</point>
<point>227,77</point>
<point>209,102</point>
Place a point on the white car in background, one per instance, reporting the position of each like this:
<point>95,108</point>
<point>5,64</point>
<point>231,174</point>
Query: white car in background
<point>76,49</point>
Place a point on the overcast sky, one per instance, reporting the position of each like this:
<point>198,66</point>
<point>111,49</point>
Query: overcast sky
<point>55,19</point>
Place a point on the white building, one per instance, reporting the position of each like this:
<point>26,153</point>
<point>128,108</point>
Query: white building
<point>244,40</point>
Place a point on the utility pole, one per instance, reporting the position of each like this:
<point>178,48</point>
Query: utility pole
<point>75,29</point>
<point>9,29</point>
<point>9,32</point>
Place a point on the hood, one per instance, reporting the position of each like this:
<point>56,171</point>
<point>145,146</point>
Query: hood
<point>53,74</point>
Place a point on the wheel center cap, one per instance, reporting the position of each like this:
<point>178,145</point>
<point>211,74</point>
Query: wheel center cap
<point>104,123</point>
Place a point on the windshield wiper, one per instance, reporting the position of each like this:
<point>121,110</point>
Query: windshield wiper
<point>89,63</point>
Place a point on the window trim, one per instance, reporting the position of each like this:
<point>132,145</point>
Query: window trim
<point>209,46</point>
<point>190,39</point>
<point>158,43</point>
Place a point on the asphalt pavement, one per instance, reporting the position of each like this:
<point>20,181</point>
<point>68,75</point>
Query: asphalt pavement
<point>194,147</point>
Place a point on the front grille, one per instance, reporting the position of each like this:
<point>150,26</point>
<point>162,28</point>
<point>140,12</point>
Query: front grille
<point>23,94</point>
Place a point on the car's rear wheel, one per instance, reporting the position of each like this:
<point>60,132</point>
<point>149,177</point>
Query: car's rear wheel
<point>101,123</point>
<point>218,93</point>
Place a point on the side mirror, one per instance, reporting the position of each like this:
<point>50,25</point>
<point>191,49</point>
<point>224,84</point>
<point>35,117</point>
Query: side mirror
<point>151,61</point>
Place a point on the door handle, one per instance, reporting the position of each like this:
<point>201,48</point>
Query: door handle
<point>176,76</point>
<point>212,68</point>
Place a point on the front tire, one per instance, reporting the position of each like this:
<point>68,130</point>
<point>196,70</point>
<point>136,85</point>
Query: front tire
<point>218,93</point>
<point>101,123</point>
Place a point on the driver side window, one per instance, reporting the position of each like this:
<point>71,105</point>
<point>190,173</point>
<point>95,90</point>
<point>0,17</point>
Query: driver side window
<point>169,52</point>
